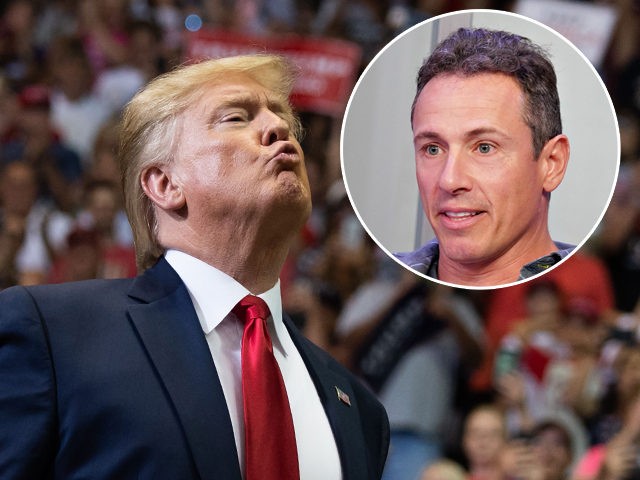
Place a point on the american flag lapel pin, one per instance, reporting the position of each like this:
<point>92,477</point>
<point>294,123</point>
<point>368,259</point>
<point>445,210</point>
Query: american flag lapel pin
<point>343,397</point>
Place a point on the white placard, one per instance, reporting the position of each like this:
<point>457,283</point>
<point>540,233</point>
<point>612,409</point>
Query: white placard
<point>589,27</point>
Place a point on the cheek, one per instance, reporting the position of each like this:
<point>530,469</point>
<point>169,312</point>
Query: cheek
<point>203,161</point>
<point>512,192</point>
<point>426,179</point>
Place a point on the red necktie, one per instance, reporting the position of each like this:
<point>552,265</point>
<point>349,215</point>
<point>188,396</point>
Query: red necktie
<point>270,440</point>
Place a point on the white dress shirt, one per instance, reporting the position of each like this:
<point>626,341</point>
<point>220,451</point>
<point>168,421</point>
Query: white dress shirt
<point>214,294</point>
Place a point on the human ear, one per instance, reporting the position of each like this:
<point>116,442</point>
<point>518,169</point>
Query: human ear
<point>158,184</point>
<point>554,159</point>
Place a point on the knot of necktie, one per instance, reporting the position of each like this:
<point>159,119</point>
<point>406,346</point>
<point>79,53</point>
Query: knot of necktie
<point>251,307</point>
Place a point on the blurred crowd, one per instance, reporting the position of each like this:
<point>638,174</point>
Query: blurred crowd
<point>535,382</point>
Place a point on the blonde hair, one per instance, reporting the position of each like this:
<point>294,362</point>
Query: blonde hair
<point>150,126</point>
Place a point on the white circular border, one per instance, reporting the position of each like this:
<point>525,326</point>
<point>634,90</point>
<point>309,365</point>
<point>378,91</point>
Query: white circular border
<point>467,12</point>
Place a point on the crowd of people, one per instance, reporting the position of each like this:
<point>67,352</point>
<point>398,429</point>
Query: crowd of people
<point>540,381</point>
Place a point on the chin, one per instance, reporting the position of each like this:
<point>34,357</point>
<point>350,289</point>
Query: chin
<point>461,252</point>
<point>299,206</point>
<point>292,201</point>
<point>472,258</point>
<point>291,187</point>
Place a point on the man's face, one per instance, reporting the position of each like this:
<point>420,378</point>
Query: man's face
<point>18,189</point>
<point>552,452</point>
<point>484,438</point>
<point>480,184</point>
<point>237,158</point>
<point>103,206</point>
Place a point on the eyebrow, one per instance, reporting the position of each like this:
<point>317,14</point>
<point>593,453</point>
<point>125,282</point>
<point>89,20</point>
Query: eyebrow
<point>476,132</point>
<point>428,135</point>
<point>249,100</point>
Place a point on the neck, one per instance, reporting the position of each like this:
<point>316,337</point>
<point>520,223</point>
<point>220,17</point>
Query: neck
<point>251,255</point>
<point>500,270</point>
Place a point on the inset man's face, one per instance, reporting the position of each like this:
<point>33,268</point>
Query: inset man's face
<point>481,186</point>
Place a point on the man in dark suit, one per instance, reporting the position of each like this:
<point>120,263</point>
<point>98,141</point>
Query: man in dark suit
<point>145,378</point>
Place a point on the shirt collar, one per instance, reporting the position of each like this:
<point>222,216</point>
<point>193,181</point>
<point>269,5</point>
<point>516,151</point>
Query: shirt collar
<point>543,263</point>
<point>214,293</point>
<point>532,268</point>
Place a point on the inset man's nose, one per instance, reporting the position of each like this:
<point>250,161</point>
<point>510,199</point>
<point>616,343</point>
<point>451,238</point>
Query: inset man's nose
<point>453,175</point>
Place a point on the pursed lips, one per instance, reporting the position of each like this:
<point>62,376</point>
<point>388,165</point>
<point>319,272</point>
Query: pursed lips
<point>286,157</point>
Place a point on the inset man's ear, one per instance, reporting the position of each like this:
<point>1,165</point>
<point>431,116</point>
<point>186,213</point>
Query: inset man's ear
<point>554,159</point>
<point>159,186</point>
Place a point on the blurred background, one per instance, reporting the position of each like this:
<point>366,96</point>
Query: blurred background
<point>535,382</point>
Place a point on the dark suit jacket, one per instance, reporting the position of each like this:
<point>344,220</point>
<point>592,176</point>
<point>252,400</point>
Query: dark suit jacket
<point>113,379</point>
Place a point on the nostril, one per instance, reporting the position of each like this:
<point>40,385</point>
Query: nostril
<point>273,137</point>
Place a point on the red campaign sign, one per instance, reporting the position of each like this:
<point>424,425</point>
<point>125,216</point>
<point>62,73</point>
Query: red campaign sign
<point>328,67</point>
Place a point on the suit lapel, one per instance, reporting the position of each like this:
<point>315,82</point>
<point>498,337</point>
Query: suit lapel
<point>170,332</point>
<point>343,414</point>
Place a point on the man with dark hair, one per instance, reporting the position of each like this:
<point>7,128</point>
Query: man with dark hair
<point>552,447</point>
<point>489,151</point>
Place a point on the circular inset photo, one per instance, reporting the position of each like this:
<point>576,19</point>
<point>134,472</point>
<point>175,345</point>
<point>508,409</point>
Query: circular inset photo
<point>480,149</point>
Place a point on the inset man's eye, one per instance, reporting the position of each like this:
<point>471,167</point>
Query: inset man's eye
<point>485,148</point>
<point>432,149</point>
